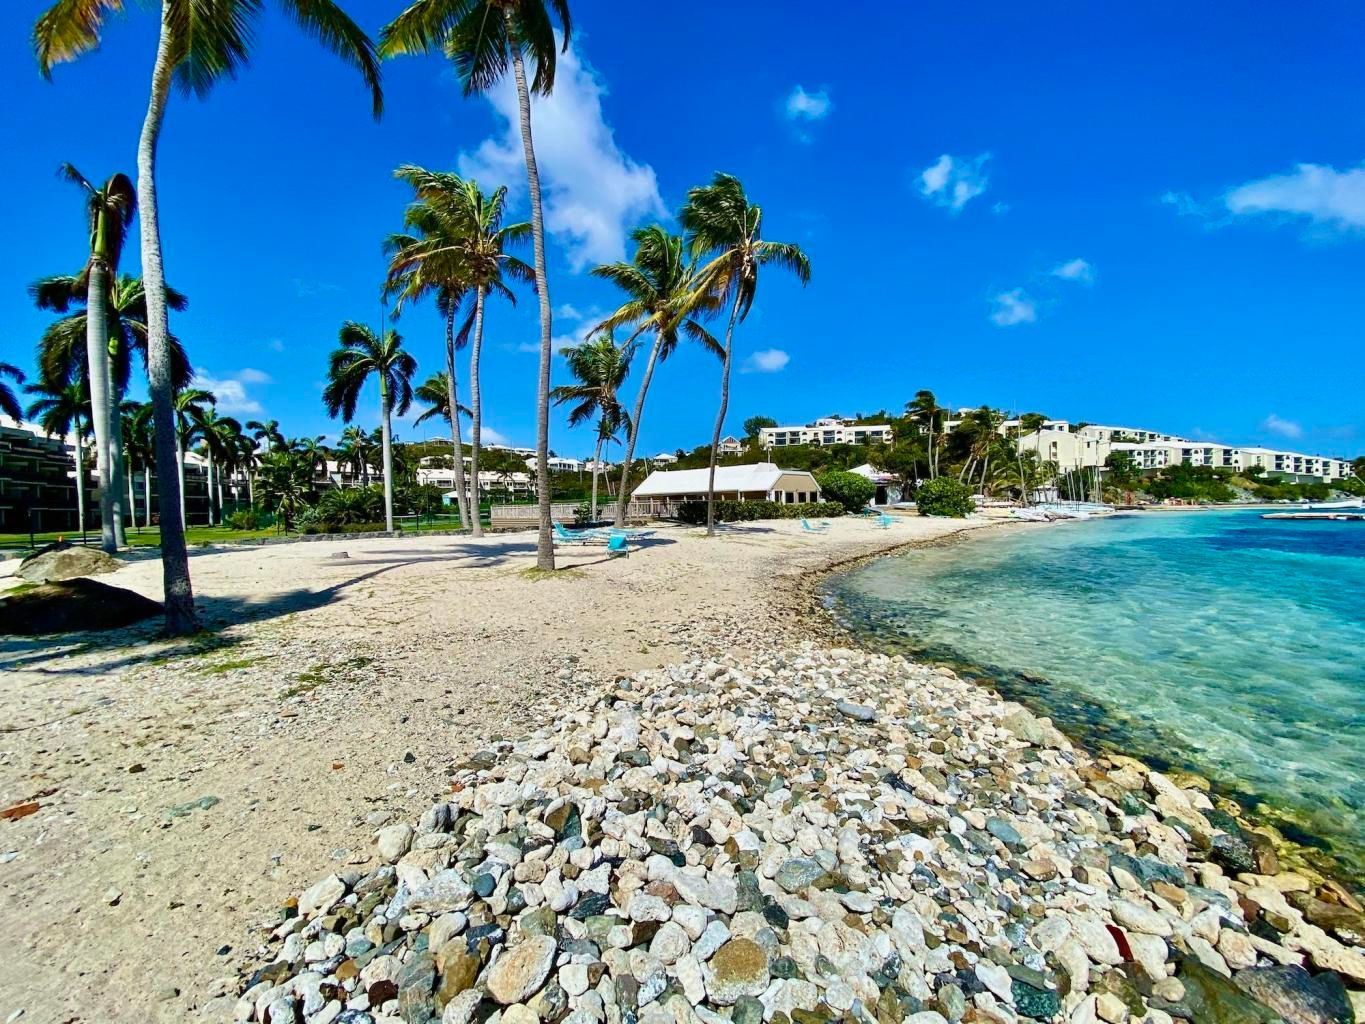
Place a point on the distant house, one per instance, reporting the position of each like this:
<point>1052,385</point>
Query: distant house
<point>888,486</point>
<point>761,481</point>
<point>730,446</point>
<point>664,458</point>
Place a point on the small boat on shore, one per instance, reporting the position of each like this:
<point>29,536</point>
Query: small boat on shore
<point>1339,517</point>
<point>1345,504</point>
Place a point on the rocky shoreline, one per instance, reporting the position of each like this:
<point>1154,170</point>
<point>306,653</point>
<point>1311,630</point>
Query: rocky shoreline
<point>807,835</point>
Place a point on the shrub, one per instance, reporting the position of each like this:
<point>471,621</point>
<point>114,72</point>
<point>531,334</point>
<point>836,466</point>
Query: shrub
<point>246,519</point>
<point>944,496</point>
<point>347,506</point>
<point>730,511</point>
<point>323,526</point>
<point>848,489</point>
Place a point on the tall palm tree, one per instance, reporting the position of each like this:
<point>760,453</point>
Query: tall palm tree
<point>925,410</point>
<point>600,367</point>
<point>352,451</point>
<point>63,409</point>
<point>142,452</point>
<point>483,37</point>
<point>464,244</point>
<point>219,437</point>
<point>269,432</point>
<point>723,225</point>
<point>199,43</point>
<point>109,212</point>
<point>363,353</point>
<point>9,401</point>
<point>664,296</point>
<point>189,408</point>
<point>312,451</point>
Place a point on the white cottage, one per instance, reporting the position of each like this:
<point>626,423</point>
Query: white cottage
<point>761,481</point>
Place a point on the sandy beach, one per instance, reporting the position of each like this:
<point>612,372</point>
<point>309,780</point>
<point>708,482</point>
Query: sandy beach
<point>188,788</point>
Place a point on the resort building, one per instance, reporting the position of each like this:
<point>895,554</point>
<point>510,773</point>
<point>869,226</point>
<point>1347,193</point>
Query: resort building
<point>557,464</point>
<point>730,446</point>
<point>761,481</point>
<point>664,459</point>
<point>827,431</point>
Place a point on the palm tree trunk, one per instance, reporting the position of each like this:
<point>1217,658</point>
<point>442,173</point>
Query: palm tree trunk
<point>208,480</point>
<point>180,478</point>
<point>117,470</point>
<point>80,482</point>
<point>476,407</point>
<point>633,434</point>
<point>545,547</point>
<point>596,470</point>
<point>97,360</point>
<point>175,565</point>
<point>453,397</point>
<point>146,494</point>
<point>132,498</point>
<point>388,455</point>
<point>720,417</point>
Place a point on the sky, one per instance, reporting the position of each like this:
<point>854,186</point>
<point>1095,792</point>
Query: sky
<point>1147,215</point>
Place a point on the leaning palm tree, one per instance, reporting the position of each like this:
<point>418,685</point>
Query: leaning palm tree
<point>483,37</point>
<point>463,246</point>
<point>63,409</point>
<point>199,43</point>
<point>363,353</point>
<point>109,211</point>
<point>218,435</point>
<point>9,402</point>
<point>725,227</point>
<point>600,367</point>
<point>190,407</point>
<point>664,296</point>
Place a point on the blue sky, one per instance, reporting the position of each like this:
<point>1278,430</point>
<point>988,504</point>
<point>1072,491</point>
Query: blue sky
<point>1150,215</point>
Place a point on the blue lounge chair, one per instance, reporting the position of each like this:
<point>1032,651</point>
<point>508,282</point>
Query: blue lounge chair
<point>885,521</point>
<point>563,535</point>
<point>621,531</point>
<point>617,547</point>
<point>808,527</point>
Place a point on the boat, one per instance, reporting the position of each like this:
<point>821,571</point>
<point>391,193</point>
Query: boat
<point>1074,509</point>
<point>1344,505</point>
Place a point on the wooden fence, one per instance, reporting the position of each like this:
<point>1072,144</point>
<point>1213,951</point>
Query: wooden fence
<point>526,516</point>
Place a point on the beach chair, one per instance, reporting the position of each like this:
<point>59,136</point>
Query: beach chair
<point>618,548</point>
<point>885,521</point>
<point>563,535</point>
<point>808,527</point>
<point>621,531</point>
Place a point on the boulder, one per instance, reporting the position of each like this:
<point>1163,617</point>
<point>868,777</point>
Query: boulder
<point>63,561</point>
<point>73,605</point>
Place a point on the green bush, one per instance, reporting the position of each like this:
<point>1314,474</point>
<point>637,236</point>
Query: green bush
<point>944,496</point>
<point>850,490</point>
<point>324,526</point>
<point>346,506</point>
<point>246,519</point>
<point>730,511</point>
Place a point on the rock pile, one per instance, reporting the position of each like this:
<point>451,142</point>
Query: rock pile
<point>812,836</point>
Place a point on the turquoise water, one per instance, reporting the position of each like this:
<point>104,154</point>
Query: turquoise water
<point>1215,641</point>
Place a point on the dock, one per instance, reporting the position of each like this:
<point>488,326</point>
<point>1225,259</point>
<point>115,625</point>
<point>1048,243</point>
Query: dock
<point>1348,517</point>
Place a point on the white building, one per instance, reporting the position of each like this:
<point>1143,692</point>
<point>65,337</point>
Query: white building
<point>729,446</point>
<point>827,431</point>
<point>760,481</point>
<point>664,459</point>
<point>557,464</point>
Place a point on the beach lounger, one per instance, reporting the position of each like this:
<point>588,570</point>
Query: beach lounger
<point>808,527</point>
<point>621,531</point>
<point>618,548</point>
<point>885,521</point>
<point>563,535</point>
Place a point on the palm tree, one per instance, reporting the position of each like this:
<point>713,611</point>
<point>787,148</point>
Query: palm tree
<point>312,451</point>
<point>600,366</point>
<point>9,402</point>
<point>142,451</point>
<point>925,410</point>
<point>109,212</point>
<point>483,37</point>
<point>269,432</point>
<point>722,224</point>
<point>198,44</point>
<point>463,245</point>
<point>352,451</point>
<point>361,354</point>
<point>664,296</point>
<point>63,409</point>
<point>189,411</point>
<point>218,434</point>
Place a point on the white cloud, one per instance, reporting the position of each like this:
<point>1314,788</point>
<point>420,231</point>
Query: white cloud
<point>276,345</point>
<point>1183,202</point>
<point>808,106</point>
<point>1320,193</point>
<point>248,375</point>
<point>593,192</point>
<point>529,347</point>
<point>230,392</point>
<point>954,181</point>
<point>1075,270</point>
<point>768,360</point>
<point>568,311</point>
<point>1283,427</point>
<point>1013,307</point>
<point>491,435</point>
<point>1000,209</point>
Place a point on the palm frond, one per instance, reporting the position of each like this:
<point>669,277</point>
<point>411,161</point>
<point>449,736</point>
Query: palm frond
<point>330,26</point>
<point>68,29</point>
